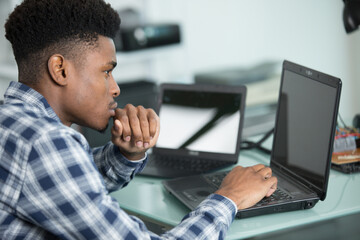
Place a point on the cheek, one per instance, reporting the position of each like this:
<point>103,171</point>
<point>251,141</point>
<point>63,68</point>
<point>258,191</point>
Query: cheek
<point>95,97</point>
<point>84,94</point>
<point>91,88</point>
<point>95,89</point>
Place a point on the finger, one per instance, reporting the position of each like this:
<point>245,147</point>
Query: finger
<point>265,172</point>
<point>116,132</point>
<point>117,129</point>
<point>144,126</point>
<point>124,122</point>
<point>258,167</point>
<point>154,123</point>
<point>135,126</point>
<point>272,182</point>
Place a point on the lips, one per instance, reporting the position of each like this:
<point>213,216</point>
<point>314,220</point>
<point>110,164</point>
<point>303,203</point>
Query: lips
<point>112,107</point>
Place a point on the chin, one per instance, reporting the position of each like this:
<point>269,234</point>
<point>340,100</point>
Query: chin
<point>99,126</point>
<point>102,130</point>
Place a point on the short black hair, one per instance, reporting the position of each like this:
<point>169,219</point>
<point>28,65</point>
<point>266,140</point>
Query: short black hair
<point>39,28</point>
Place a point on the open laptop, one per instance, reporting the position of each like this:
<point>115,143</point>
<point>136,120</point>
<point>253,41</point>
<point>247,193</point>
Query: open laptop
<point>302,146</point>
<point>200,129</point>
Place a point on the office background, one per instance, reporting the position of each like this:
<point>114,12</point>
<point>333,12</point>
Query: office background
<point>220,34</point>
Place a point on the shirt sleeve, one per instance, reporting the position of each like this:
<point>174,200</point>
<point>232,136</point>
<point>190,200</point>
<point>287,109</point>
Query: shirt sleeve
<point>65,196</point>
<point>210,220</point>
<point>115,168</point>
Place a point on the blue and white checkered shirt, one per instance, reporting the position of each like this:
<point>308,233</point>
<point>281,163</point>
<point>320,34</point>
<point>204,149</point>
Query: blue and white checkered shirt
<point>54,186</point>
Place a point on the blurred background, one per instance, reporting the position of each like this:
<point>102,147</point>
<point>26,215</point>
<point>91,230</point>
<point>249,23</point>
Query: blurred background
<point>225,41</point>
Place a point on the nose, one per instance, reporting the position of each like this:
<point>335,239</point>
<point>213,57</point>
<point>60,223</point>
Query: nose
<point>115,90</point>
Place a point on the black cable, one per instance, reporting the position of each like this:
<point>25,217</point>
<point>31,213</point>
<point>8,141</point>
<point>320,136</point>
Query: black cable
<point>247,145</point>
<point>351,128</point>
<point>341,119</point>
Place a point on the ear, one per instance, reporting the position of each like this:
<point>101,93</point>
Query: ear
<point>57,66</point>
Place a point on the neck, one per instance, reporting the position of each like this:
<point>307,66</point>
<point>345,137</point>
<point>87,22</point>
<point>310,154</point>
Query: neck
<point>53,95</point>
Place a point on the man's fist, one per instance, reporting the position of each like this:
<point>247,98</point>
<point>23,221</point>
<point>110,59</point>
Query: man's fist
<point>135,130</point>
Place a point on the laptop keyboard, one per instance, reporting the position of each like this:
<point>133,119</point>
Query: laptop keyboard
<point>196,165</point>
<point>217,178</point>
<point>277,196</point>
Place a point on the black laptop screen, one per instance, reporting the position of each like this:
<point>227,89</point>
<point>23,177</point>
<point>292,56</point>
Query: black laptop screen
<point>305,125</point>
<point>199,121</point>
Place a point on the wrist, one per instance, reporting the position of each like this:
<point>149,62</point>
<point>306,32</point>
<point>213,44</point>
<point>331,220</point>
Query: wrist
<point>133,156</point>
<point>235,199</point>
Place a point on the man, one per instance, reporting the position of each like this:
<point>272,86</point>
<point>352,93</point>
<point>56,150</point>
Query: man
<point>53,186</point>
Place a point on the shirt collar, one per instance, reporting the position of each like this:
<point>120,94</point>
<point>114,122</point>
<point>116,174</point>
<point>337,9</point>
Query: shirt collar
<point>18,91</point>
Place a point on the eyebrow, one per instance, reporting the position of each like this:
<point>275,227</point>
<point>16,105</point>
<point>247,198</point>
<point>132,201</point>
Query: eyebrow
<point>112,63</point>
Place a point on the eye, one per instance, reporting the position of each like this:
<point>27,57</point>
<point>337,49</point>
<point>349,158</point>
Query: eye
<point>107,73</point>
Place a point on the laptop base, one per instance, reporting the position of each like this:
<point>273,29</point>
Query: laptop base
<point>184,168</point>
<point>246,213</point>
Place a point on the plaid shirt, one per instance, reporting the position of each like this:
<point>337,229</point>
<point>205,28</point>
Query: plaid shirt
<point>54,186</point>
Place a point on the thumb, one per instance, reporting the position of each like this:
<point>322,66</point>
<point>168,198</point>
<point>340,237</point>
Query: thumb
<point>117,129</point>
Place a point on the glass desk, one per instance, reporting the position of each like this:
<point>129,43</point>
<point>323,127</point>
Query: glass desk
<point>146,197</point>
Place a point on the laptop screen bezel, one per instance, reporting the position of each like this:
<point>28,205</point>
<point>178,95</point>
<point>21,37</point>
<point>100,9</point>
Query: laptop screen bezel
<point>215,88</point>
<point>325,79</point>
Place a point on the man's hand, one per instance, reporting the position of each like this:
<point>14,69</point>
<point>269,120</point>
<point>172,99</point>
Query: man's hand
<point>135,130</point>
<point>247,186</point>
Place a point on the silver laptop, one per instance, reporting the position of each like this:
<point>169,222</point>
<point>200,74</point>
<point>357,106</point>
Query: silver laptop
<point>302,146</point>
<point>200,129</point>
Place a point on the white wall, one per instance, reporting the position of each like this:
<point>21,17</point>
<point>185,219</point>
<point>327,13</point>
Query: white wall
<point>224,33</point>
<point>8,70</point>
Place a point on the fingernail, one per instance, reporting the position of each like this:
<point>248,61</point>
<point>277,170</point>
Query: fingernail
<point>127,138</point>
<point>146,145</point>
<point>139,143</point>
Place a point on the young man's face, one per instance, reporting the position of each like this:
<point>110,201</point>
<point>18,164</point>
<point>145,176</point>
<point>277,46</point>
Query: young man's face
<point>93,88</point>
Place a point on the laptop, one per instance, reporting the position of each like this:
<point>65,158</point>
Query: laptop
<point>302,146</point>
<point>200,129</point>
